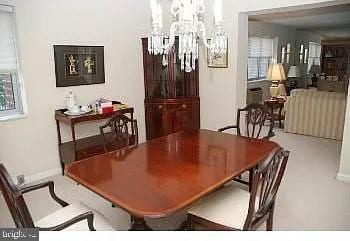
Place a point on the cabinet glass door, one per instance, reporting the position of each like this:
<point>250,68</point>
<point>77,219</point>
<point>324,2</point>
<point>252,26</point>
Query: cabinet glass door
<point>180,77</point>
<point>158,80</point>
<point>184,83</point>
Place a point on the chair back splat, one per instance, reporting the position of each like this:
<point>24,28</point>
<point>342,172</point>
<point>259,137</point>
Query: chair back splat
<point>123,132</point>
<point>267,178</point>
<point>256,116</point>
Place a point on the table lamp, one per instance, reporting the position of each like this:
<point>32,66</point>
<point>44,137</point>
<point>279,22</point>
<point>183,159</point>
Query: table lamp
<point>276,74</point>
<point>293,74</point>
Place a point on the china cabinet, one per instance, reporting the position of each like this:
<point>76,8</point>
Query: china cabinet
<point>171,94</point>
<point>336,59</point>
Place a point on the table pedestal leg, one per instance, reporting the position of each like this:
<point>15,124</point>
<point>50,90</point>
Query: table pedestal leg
<point>139,224</point>
<point>183,227</point>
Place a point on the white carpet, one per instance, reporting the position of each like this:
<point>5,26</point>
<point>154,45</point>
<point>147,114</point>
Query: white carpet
<point>309,198</point>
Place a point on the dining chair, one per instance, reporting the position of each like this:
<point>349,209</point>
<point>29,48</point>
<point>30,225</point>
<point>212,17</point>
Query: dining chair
<point>122,132</point>
<point>71,217</point>
<point>259,124</point>
<point>232,208</point>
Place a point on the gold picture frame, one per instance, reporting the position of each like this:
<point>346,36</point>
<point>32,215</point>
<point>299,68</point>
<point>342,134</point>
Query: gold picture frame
<point>217,61</point>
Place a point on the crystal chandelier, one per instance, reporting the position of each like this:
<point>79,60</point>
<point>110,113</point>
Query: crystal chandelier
<point>188,25</point>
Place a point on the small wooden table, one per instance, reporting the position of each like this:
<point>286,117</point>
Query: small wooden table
<point>164,175</point>
<point>276,104</point>
<point>78,149</point>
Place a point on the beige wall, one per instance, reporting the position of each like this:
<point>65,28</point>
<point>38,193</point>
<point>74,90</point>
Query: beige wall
<point>344,169</point>
<point>29,145</point>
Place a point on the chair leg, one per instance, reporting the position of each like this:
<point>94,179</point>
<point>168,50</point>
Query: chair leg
<point>250,182</point>
<point>189,223</point>
<point>269,222</point>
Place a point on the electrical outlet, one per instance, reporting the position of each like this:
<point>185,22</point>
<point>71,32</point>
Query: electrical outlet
<point>20,179</point>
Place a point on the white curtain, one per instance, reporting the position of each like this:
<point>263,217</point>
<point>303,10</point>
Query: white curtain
<point>314,55</point>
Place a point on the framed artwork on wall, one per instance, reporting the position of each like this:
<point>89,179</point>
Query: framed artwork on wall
<point>79,65</point>
<point>217,61</point>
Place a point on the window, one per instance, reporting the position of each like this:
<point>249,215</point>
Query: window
<point>285,54</point>
<point>260,53</point>
<point>10,87</point>
<point>314,55</point>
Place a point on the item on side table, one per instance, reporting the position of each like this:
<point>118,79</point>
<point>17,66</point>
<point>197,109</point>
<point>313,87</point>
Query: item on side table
<point>71,102</point>
<point>276,75</point>
<point>103,106</point>
<point>85,108</point>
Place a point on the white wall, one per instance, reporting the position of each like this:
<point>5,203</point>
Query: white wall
<point>29,145</point>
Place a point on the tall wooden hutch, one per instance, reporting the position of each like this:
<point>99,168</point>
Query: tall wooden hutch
<point>336,58</point>
<point>171,94</point>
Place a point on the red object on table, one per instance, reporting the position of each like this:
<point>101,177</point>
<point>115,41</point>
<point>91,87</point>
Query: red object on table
<point>106,110</point>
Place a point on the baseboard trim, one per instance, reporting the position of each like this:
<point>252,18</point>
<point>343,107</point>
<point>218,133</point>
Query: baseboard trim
<point>342,177</point>
<point>39,176</point>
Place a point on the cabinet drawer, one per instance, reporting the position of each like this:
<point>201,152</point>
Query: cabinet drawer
<point>180,106</point>
<point>169,106</point>
<point>156,107</point>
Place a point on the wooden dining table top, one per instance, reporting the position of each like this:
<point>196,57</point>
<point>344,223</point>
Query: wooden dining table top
<point>164,175</point>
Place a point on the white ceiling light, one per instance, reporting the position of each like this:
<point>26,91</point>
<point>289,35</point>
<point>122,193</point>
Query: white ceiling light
<point>189,26</point>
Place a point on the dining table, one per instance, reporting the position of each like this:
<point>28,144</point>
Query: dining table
<point>166,175</point>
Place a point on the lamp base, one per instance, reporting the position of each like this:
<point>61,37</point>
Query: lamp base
<point>282,90</point>
<point>274,91</point>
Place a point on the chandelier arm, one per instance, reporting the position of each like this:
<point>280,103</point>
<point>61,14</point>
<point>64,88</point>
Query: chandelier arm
<point>202,30</point>
<point>171,43</point>
<point>174,6</point>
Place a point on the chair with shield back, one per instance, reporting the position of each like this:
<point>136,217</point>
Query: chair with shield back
<point>253,121</point>
<point>119,131</point>
<point>232,208</point>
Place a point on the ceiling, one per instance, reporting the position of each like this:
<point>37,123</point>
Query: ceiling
<point>318,18</point>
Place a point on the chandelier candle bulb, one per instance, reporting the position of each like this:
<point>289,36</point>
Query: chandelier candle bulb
<point>154,6</point>
<point>160,18</point>
<point>187,11</point>
<point>218,12</point>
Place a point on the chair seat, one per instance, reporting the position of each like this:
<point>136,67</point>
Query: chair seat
<point>71,211</point>
<point>227,206</point>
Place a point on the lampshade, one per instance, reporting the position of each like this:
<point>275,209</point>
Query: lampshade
<point>293,72</point>
<point>276,72</point>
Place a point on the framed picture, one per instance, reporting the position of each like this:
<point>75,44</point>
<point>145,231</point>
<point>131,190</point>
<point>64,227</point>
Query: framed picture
<point>79,65</point>
<point>220,61</point>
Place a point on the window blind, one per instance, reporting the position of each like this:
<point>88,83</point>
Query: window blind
<point>260,52</point>
<point>8,58</point>
<point>11,101</point>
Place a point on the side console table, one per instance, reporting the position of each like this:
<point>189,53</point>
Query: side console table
<point>276,104</point>
<point>78,149</point>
